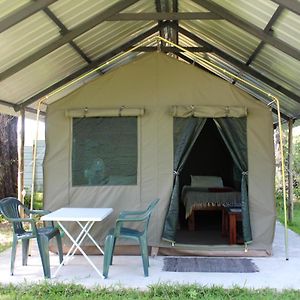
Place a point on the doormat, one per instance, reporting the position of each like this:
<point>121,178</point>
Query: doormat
<point>209,264</point>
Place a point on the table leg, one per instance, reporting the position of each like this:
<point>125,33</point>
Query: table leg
<point>224,222</point>
<point>85,229</point>
<point>77,245</point>
<point>91,238</point>
<point>232,229</point>
<point>191,221</point>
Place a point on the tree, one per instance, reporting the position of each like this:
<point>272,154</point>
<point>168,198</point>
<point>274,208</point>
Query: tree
<point>8,156</point>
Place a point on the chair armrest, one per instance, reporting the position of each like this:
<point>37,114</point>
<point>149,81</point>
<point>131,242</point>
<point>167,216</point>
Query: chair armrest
<point>123,214</point>
<point>25,220</point>
<point>136,219</point>
<point>29,220</point>
<point>40,212</point>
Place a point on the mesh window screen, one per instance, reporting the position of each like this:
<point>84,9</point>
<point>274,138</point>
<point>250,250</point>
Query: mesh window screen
<point>104,151</point>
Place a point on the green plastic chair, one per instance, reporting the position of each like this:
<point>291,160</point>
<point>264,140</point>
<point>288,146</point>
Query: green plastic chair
<point>10,208</point>
<point>142,217</point>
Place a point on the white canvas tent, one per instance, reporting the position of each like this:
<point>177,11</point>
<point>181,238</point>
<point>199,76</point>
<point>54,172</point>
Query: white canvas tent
<point>148,89</point>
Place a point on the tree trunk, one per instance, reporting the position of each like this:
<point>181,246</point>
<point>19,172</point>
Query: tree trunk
<point>8,156</point>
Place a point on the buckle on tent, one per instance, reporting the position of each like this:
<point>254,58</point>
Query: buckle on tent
<point>120,110</point>
<point>85,111</point>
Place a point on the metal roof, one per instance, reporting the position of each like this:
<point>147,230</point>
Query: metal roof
<point>45,44</point>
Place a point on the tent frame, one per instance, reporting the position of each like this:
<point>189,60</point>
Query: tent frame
<point>160,40</point>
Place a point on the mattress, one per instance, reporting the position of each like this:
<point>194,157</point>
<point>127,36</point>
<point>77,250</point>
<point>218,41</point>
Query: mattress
<point>195,198</point>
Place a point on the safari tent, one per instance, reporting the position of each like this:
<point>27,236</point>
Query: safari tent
<point>147,129</point>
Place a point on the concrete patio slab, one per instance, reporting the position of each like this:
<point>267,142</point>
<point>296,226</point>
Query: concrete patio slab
<point>274,272</point>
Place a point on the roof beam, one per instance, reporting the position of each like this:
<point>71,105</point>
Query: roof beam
<point>25,12</point>
<point>282,115</point>
<point>64,30</point>
<point>5,103</point>
<point>250,28</point>
<point>91,66</point>
<point>267,29</point>
<point>194,63</point>
<point>240,65</point>
<point>34,111</point>
<point>173,49</point>
<point>174,33</point>
<point>68,37</point>
<point>158,10</point>
<point>161,16</point>
<point>291,5</point>
<point>27,109</point>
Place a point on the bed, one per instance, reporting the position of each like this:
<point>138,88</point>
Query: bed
<point>207,192</point>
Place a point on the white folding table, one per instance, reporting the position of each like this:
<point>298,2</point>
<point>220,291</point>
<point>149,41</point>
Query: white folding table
<point>85,218</point>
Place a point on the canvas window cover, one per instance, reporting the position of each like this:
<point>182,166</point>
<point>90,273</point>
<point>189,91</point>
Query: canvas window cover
<point>104,151</point>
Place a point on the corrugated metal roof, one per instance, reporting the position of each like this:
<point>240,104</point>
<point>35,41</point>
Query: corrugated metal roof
<point>109,35</point>
<point>72,13</point>
<point>225,36</point>
<point>185,41</point>
<point>41,74</point>
<point>288,106</point>
<point>38,31</point>
<point>220,33</point>
<point>8,7</point>
<point>280,67</point>
<point>189,6</point>
<point>257,12</point>
<point>287,28</point>
<point>25,38</point>
<point>141,6</point>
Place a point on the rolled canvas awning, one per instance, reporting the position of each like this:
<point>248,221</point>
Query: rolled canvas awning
<point>198,111</point>
<point>105,112</point>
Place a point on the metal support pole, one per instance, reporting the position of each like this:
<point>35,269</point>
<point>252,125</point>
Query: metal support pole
<point>34,153</point>
<point>286,232</point>
<point>21,139</point>
<point>290,205</point>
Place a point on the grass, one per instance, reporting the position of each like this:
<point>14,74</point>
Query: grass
<point>160,291</point>
<point>295,225</point>
<point>5,228</point>
<point>5,234</point>
<point>37,200</point>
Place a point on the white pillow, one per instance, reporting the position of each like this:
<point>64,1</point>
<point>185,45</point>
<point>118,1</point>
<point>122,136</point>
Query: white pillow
<point>206,181</point>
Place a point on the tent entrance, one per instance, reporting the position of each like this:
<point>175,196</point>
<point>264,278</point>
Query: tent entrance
<point>209,156</point>
<point>187,135</point>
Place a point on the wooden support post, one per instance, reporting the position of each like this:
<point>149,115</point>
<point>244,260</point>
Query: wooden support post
<point>290,173</point>
<point>21,139</point>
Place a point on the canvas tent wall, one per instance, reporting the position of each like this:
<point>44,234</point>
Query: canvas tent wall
<point>149,88</point>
